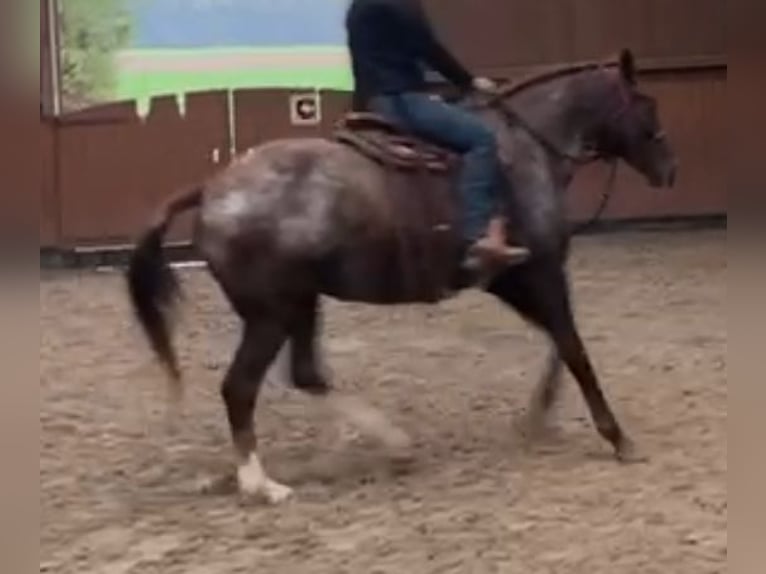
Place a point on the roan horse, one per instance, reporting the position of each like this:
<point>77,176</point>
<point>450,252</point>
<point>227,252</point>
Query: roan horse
<point>295,219</point>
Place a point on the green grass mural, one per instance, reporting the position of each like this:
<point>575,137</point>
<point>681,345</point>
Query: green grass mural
<point>142,74</point>
<point>137,49</point>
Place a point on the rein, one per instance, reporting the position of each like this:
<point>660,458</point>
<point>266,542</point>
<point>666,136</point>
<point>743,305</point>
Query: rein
<point>606,196</point>
<point>591,156</point>
<point>514,118</point>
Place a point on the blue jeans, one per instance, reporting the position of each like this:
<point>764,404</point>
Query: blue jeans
<point>458,130</point>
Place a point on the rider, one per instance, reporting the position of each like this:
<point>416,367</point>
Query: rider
<point>390,42</point>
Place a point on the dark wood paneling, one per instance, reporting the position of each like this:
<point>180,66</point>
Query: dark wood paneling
<point>534,32</point>
<point>117,168</point>
<point>263,115</point>
<point>489,35</point>
<point>685,27</point>
<point>494,35</point>
<point>334,105</point>
<point>603,27</point>
<point>49,206</point>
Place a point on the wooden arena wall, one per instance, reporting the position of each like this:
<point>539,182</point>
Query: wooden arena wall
<point>104,169</point>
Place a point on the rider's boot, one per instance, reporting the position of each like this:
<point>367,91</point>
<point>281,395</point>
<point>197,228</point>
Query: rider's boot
<point>490,255</point>
<point>494,249</point>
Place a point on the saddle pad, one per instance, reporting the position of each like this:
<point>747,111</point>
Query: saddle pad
<point>384,143</point>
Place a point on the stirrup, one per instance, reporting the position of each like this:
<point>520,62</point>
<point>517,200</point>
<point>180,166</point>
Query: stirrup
<point>508,256</point>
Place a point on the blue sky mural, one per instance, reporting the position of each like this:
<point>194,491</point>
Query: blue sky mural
<point>205,23</point>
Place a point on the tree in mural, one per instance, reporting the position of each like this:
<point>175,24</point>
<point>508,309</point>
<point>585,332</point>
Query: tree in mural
<point>92,32</point>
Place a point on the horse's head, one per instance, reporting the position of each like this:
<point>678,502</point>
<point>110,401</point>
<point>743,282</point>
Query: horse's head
<point>634,133</point>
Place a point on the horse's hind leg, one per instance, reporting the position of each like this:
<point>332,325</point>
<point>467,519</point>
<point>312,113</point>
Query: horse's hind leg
<point>308,376</point>
<point>305,368</point>
<point>546,393</point>
<point>514,289</point>
<point>261,340</point>
<point>549,389</point>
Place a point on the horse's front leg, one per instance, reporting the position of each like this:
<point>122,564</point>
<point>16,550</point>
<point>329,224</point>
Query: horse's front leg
<point>540,292</point>
<point>576,357</point>
<point>563,331</point>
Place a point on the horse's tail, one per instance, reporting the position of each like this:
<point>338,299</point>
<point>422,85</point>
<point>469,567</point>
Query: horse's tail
<point>152,285</point>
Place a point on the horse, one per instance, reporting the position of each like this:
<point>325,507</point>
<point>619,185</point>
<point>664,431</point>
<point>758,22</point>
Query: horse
<point>297,219</point>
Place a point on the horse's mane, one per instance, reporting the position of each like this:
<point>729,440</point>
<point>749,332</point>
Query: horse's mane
<point>512,88</point>
<point>533,80</point>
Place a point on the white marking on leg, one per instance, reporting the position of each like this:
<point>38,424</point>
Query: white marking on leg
<point>253,481</point>
<point>369,420</point>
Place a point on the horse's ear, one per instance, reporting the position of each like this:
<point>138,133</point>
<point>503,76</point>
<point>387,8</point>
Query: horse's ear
<point>628,66</point>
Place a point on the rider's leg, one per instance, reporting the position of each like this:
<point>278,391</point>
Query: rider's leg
<point>452,127</point>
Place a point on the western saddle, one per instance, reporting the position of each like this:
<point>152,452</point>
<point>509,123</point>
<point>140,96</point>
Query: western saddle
<point>380,140</point>
<point>421,190</point>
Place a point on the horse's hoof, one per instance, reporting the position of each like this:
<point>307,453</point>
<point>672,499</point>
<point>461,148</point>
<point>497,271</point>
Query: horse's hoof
<point>629,453</point>
<point>270,492</point>
<point>255,484</point>
<point>397,442</point>
<point>537,425</point>
<point>216,485</point>
<point>402,459</point>
<point>276,493</point>
<point>533,426</point>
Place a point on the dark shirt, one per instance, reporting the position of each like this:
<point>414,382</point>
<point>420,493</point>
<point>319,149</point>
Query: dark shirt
<point>391,44</point>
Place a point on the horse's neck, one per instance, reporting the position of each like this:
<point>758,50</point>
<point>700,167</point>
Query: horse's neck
<point>559,111</point>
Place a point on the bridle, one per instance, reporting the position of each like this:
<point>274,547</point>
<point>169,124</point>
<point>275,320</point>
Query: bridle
<point>591,155</point>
